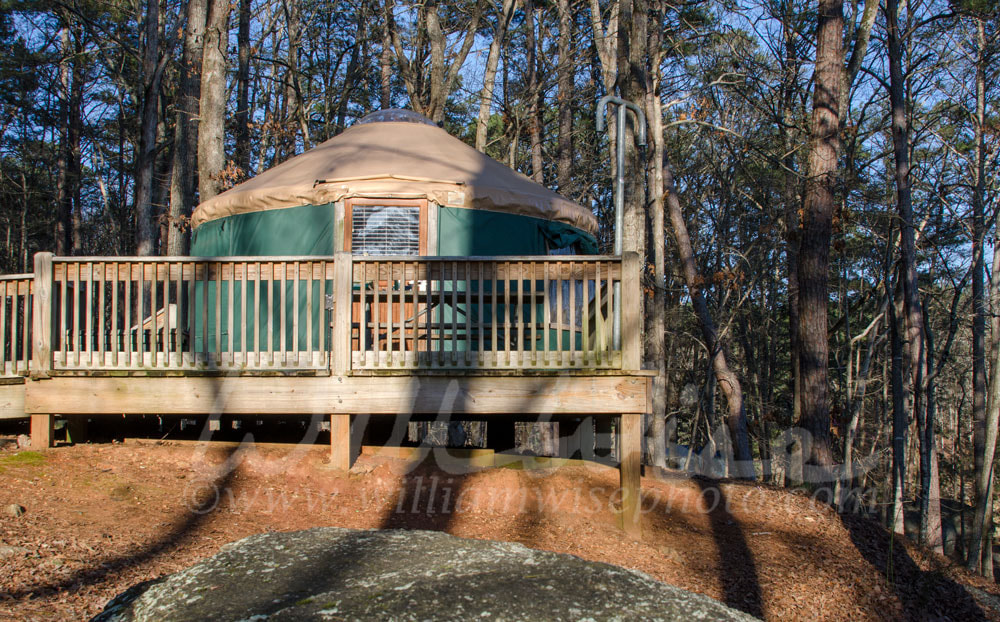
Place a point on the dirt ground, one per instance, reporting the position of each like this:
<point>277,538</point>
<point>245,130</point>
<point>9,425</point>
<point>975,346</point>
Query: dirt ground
<point>100,518</point>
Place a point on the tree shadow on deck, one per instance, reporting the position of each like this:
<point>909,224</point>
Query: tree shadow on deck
<point>923,594</point>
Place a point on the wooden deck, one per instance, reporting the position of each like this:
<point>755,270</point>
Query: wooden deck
<point>337,336</point>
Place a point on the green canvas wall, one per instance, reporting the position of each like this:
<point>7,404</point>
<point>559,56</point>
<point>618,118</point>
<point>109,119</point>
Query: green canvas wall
<point>305,230</point>
<point>309,230</point>
<point>464,232</point>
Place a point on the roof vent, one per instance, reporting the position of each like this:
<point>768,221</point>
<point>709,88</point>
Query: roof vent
<point>395,115</point>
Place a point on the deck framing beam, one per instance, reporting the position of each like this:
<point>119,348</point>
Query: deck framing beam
<point>377,395</point>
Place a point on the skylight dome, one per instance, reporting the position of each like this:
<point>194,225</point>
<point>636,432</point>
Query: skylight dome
<point>395,115</point>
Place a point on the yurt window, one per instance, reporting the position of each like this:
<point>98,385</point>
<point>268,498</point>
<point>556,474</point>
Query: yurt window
<point>385,227</point>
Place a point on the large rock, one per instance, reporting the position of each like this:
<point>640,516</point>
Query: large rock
<point>344,574</point>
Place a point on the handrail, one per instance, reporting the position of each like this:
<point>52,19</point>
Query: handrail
<point>321,314</point>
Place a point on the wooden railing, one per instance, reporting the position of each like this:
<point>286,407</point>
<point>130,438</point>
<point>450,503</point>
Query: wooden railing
<point>183,313</point>
<point>484,312</point>
<point>15,324</point>
<point>320,314</point>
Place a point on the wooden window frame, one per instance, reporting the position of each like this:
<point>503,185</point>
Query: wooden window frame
<point>349,218</point>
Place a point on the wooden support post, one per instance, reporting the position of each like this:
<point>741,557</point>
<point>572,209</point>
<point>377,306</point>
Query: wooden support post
<point>586,432</point>
<point>340,442</point>
<point>570,445</point>
<point>76,429</point>
<point>41,312</point>
<point>42,428</point>
<point>629,472</point>
<point>603,437</point>
<point>343,287</point>
<point>631,311</point>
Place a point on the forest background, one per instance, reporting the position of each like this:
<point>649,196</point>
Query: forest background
<point>817,200</point>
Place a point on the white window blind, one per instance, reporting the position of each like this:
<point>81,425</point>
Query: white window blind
<point>385,230</point>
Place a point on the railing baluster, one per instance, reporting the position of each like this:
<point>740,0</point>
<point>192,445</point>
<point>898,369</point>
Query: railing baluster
<point>283,296</point>
<point>547,315</point>
<point>468,313</point>
<point>98,312</point>
<point>364,312</point>
<point>390,309</point>
<point>178,308</point>
<point>24,289</point>
<point>310,352</point>
<point>376,314</point>
<point>599,315</point>
<point>15,356</point>
<point>611,308</point>
<point>506,313</point>
<point>154,337</point>
<point>257,319</point>
<point>270,314</point>
<point>454,313</point>
<point>572,314</point>
<point>533,283</point>
<point>429,310</point>
<point>494,313</point>
<point>114,314</point>
<point>482,309</point>
<point>217,354</point>
<point>89,314</point>
<point>192,314</point>
<point>63,317</point>
<point>442,298</point>
<point>5,288</point>
<point>323,323</point>
<point>585,312</point>
<point>295,315</point>
<point>560,313</point>
<point>520,314</point>
<point>231,314</point>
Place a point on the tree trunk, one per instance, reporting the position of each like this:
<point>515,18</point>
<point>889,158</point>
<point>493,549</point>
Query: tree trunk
<point>656,315</point>
<point>145,228</point>
<point>564,72</point>
<point>984,409</point>
<point>490,77</point>
<point>75,130</point>
<point>930,514</point>
<point>182,179</point>
<point>736,419</point>
<point>791,189</point>
<point>814,242</point>
<point>64,200</point>
<point>385,65</point>
<point>900,425</point>
<point>242,132</point>
<point>534,95</point>
<point>211,129</point>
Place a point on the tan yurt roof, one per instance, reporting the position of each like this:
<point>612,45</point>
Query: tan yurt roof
<point>396,154</point>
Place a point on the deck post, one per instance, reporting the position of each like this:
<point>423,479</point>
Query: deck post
<point>41,312</point>
<point>340,442</point>
<point>343,286</point>
<point>629,472</point>
<point>587,445</point>
<point>570,438</point>
<point>76,429</point>
<point>604,437</point>
<point>631,311</point>
<point>42,429</point>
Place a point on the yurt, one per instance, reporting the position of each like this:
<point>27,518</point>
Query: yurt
<point>392,184</point>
